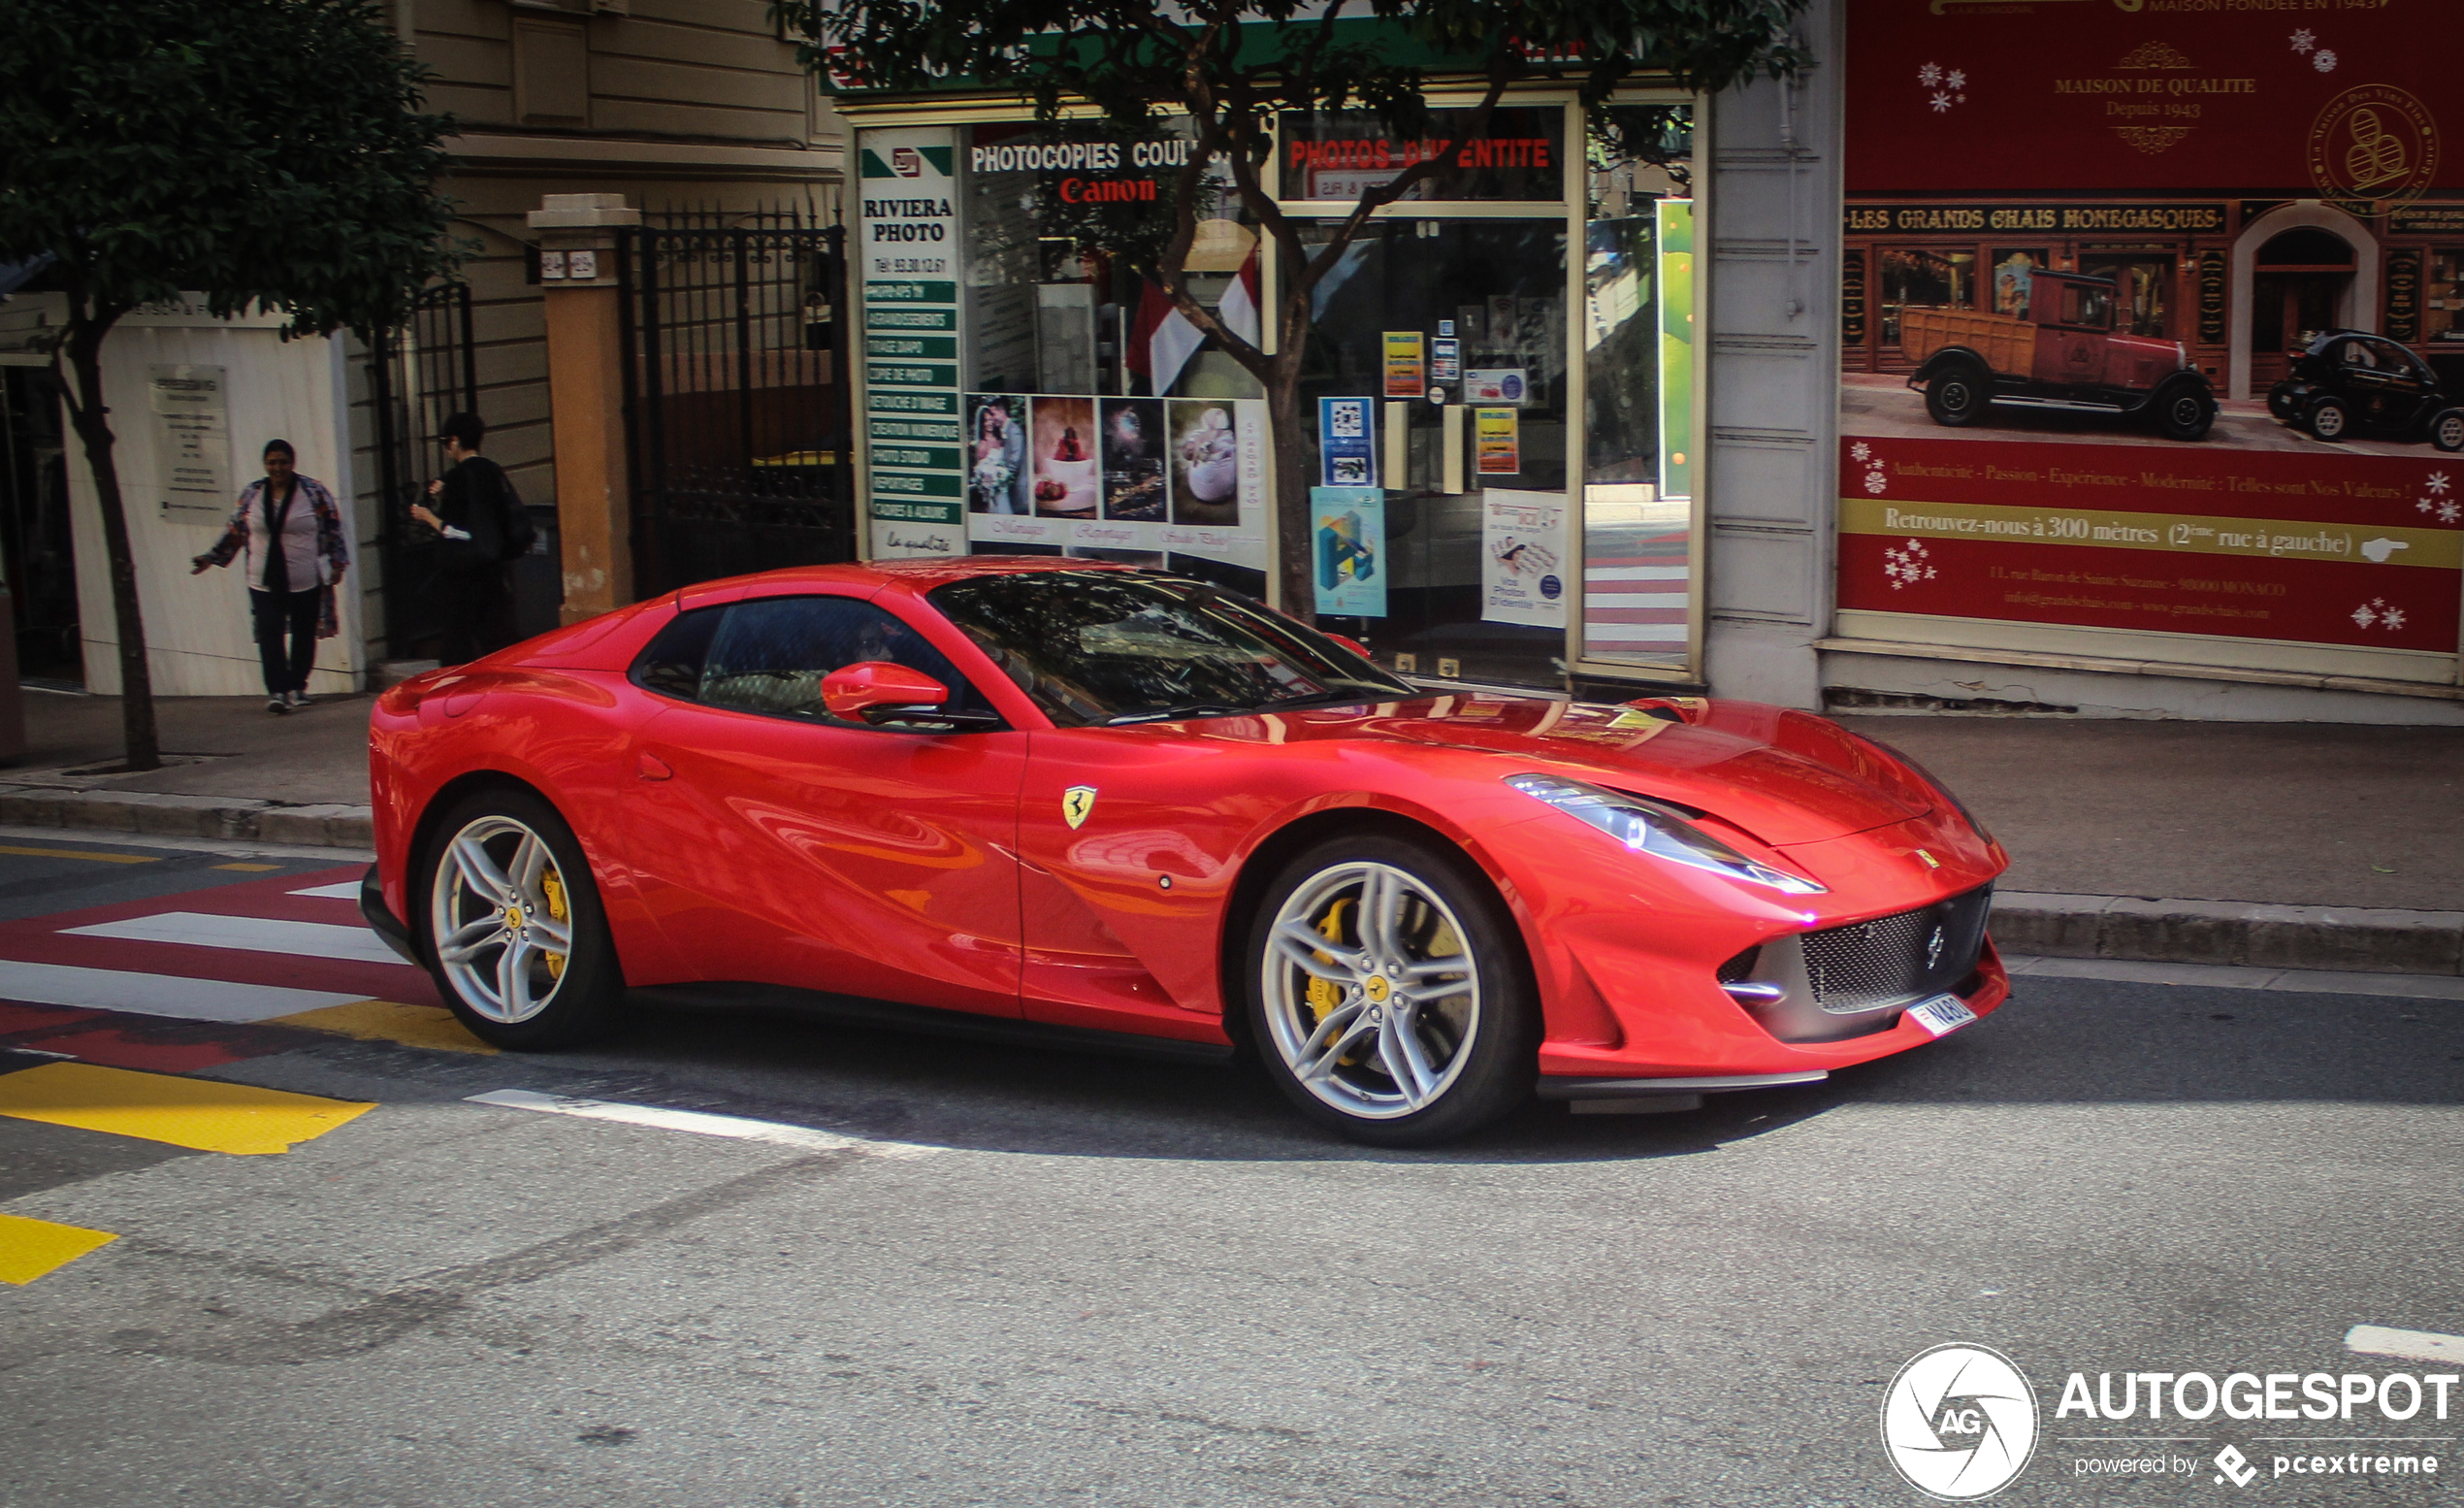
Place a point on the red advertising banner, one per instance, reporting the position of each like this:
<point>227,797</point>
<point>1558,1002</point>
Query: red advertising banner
<point>2152,318</point>
<point>2360,550</point>
<point>2149,95</point>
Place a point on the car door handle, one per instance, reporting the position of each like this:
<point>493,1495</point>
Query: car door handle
<point>650,766</point>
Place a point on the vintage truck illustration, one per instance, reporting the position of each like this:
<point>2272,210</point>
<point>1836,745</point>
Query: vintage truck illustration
<point>2064,353</point>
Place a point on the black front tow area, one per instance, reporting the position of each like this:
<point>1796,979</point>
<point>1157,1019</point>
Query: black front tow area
<point>383,922</point>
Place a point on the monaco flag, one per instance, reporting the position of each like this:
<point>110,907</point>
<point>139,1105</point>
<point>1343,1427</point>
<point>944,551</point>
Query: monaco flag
<point>1163,339</point>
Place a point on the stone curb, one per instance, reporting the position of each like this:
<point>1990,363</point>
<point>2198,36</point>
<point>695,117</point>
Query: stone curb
<point>241,817</point>
<point>2232,933</point>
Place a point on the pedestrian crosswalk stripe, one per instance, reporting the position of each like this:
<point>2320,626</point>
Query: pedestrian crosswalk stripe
<point>30,1247</point>
<point>159,994</point>
<point>700,1123</point>
<point>343,890</point>
<point>205,1114</point>
<point>389,1021</point>
<point>251,934</point>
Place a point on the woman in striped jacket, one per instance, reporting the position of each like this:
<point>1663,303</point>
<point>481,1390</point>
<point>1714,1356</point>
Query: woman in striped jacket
<point>291,533</point>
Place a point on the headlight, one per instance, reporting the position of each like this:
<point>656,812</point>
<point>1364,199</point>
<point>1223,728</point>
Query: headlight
<point>1651,828</point>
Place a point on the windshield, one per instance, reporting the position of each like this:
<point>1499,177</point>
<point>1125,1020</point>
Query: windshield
<point>1106,646</point>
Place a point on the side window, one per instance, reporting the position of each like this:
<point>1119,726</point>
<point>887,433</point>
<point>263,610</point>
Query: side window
<point>770,655</point>
<point>671,664</point>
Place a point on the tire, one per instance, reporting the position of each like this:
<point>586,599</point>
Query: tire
<point>2328,419</point>
<point>548,999</point>
<point>2280,402</point>
<point>1958,396</point>
<point>2447,429</point>
<point>2184,412</point>
<point>1460,1050</point>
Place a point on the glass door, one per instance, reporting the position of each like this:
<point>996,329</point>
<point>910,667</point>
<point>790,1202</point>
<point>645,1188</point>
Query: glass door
<point>1453,333</point>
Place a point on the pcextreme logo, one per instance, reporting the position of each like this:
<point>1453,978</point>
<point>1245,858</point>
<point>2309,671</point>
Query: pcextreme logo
<point>1960,1423</point>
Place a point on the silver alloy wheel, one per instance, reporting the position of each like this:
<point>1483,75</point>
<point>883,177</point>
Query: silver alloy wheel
<point>1371,991</point>
<point>2451,431</point>
<point>503,926</point>
<point>2327,421</point>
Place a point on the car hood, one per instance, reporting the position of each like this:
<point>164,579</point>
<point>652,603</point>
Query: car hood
<point>1781,776</point>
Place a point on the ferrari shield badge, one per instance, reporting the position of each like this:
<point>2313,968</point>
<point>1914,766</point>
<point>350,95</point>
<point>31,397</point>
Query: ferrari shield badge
<point>1076,803</point>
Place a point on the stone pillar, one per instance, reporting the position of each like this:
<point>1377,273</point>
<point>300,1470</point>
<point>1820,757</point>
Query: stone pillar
<point>586,396</point>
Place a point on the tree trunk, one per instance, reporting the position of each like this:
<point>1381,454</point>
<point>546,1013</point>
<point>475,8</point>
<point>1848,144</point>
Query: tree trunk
<point>1293,534</point>
<point>92,422</point>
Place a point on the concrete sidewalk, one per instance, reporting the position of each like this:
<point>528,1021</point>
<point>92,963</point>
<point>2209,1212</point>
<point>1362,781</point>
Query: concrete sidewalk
<point>2272,846</point>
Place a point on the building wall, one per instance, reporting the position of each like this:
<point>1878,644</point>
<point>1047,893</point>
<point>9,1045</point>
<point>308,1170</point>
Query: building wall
<point>1776,192</point>
<point>682,105</point>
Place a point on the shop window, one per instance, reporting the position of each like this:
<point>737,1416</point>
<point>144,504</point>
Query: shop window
<point>2143,291</point>
<point>2014,277</point>
<point>1924,280</point>
<point>1638,354</point>
<point>2442,300</point>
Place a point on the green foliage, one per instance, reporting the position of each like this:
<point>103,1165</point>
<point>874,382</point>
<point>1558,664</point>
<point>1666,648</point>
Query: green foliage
<point>1134,58</point>
<point>257,150</point>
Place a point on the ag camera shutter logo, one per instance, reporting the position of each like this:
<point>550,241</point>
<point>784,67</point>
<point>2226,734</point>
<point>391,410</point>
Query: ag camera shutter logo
<point>1960,1423</point>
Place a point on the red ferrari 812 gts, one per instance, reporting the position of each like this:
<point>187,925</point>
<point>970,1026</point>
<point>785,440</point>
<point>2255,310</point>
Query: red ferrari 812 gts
<point>1053,799</point>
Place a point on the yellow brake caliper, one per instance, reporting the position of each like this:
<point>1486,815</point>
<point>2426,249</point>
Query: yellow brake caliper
<point>554,885</point>
<point>1324,994</point>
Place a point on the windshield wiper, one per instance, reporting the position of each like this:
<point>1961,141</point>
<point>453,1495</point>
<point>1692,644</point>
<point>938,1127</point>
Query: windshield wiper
<point>1329,698</point>
<point>1170,714</point>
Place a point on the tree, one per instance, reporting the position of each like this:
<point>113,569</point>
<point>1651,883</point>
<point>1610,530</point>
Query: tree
<point>1233,66</point>
<point>263,152</point>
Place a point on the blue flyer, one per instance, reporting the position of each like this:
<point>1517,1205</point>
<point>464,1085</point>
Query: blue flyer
<point>1347,446</point>
<point>1348,541</point>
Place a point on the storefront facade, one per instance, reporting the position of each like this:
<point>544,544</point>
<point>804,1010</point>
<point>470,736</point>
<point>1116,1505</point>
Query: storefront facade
<point>1501,389</point>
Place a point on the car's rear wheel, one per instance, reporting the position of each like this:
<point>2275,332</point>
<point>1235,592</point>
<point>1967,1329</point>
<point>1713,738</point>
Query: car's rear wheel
<point>1389,996</point>
<point>2329,419</point>
<point>2447,429</point>
<point>1957,395</point>
<point>516,939</point>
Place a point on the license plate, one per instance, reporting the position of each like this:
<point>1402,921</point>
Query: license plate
<point>1942,1014</point>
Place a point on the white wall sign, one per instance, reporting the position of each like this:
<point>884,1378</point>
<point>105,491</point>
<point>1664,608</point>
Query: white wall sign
<point>192,436</point>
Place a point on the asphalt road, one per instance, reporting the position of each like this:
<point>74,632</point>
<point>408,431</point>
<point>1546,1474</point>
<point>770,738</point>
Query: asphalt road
<point>1029,1278</point>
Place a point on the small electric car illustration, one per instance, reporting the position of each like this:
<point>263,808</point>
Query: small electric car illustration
<point>2346,382</point>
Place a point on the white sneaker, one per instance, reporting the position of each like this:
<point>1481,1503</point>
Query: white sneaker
<point>297,698</point>
<point>276,705</point>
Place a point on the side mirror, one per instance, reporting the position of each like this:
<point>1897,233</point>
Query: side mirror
<point>875,691</point>
<point>1350,643</point>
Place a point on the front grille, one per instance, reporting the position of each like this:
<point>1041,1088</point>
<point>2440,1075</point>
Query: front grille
<point>1898,958</point>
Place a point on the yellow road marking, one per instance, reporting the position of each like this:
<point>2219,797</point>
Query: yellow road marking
<point>78,853</point>
<point>206,1114</point>
<point>30,1247</point>
<point>389,1021</point>
<point>251,868</point>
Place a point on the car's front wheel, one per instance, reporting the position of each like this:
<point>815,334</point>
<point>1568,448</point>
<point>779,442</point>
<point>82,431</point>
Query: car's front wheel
<point>2186,412</point>
<point>2447,429</point>
<point>515,938</point>
<point>1389,996</point>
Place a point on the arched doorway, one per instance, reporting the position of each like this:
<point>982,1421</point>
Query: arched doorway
<point>2345,282</point>
<point>2299,280</point>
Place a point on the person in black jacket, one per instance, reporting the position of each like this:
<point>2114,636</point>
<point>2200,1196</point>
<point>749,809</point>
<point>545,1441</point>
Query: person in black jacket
<point>471,502</point>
